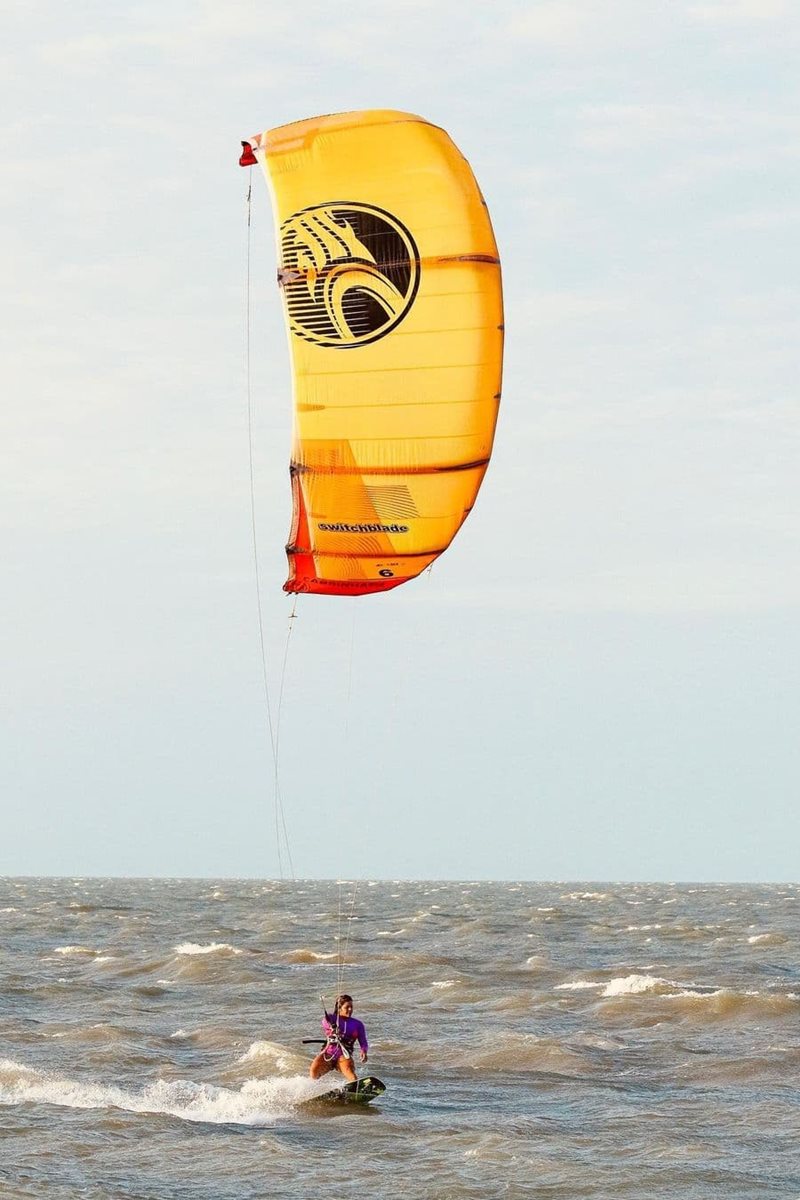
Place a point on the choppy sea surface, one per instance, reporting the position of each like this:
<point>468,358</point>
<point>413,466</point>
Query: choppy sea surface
<point>549,1040</point>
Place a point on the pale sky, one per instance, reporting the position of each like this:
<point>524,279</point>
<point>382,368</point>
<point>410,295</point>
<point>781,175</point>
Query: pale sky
<point>599,680</point>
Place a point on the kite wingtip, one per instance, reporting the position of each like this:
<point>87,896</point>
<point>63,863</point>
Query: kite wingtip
<point>247,158</point>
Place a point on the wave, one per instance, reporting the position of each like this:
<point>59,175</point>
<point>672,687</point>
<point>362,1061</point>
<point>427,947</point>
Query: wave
<point>635,985</point>
<point>262,1050</point>
<point>695,933</point>
<point>777,1065</point>
<point>538,962</point>
<point>727,1004</point>
<point>153,990</point>
<point>76,951</point>
<point>523,1052</point>
<point>256,1102</point>
<point>767,939</point>
<point>191,949</point>
<point>210,1037</point>
<point>700,1001</point>
<point>304,955</point>
<point>274,1055</point>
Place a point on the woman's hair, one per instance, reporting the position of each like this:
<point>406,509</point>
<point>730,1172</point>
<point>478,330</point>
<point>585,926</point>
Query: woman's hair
<point>343,999</point>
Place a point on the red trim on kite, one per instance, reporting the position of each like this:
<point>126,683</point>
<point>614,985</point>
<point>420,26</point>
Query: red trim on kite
<point>330,587</point>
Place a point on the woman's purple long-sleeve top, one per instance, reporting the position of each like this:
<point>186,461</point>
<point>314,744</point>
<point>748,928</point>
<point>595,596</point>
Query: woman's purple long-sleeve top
<point>349,1029</point>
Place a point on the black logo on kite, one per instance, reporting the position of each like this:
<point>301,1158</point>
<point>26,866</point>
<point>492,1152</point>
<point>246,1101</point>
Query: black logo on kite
<point>343,527</point>
<point>350,273</point>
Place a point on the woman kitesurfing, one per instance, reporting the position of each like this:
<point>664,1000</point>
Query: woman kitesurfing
<point>342,1030</point>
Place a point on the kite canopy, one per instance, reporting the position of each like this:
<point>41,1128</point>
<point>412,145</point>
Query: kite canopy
<point>392,291</point>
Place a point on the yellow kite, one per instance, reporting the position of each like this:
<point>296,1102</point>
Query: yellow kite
<point>392,291</point>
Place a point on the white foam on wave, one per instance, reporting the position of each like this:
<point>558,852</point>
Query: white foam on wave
<point>75,951</point>
<point>8,910</point>
<point>192,948</point>
<point>669,989</point>
<point>586,896</point>
<point>256,1102</point>
<point>635,985</point>
<point>389,932</point>
<point>707,994</point>
<point>537,960</point>
<point>578,986</point>
<point>641,928</point>
<point>766,939</point>
<point>445,983</point>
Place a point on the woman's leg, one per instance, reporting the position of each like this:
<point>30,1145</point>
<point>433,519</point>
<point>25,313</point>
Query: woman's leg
<point>320,1066</point>
<point>345,1065</point>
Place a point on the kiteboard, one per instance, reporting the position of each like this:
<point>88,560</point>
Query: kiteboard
<point>363,1091</point>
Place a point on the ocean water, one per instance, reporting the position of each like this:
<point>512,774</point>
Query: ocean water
<point>537,1040</point>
